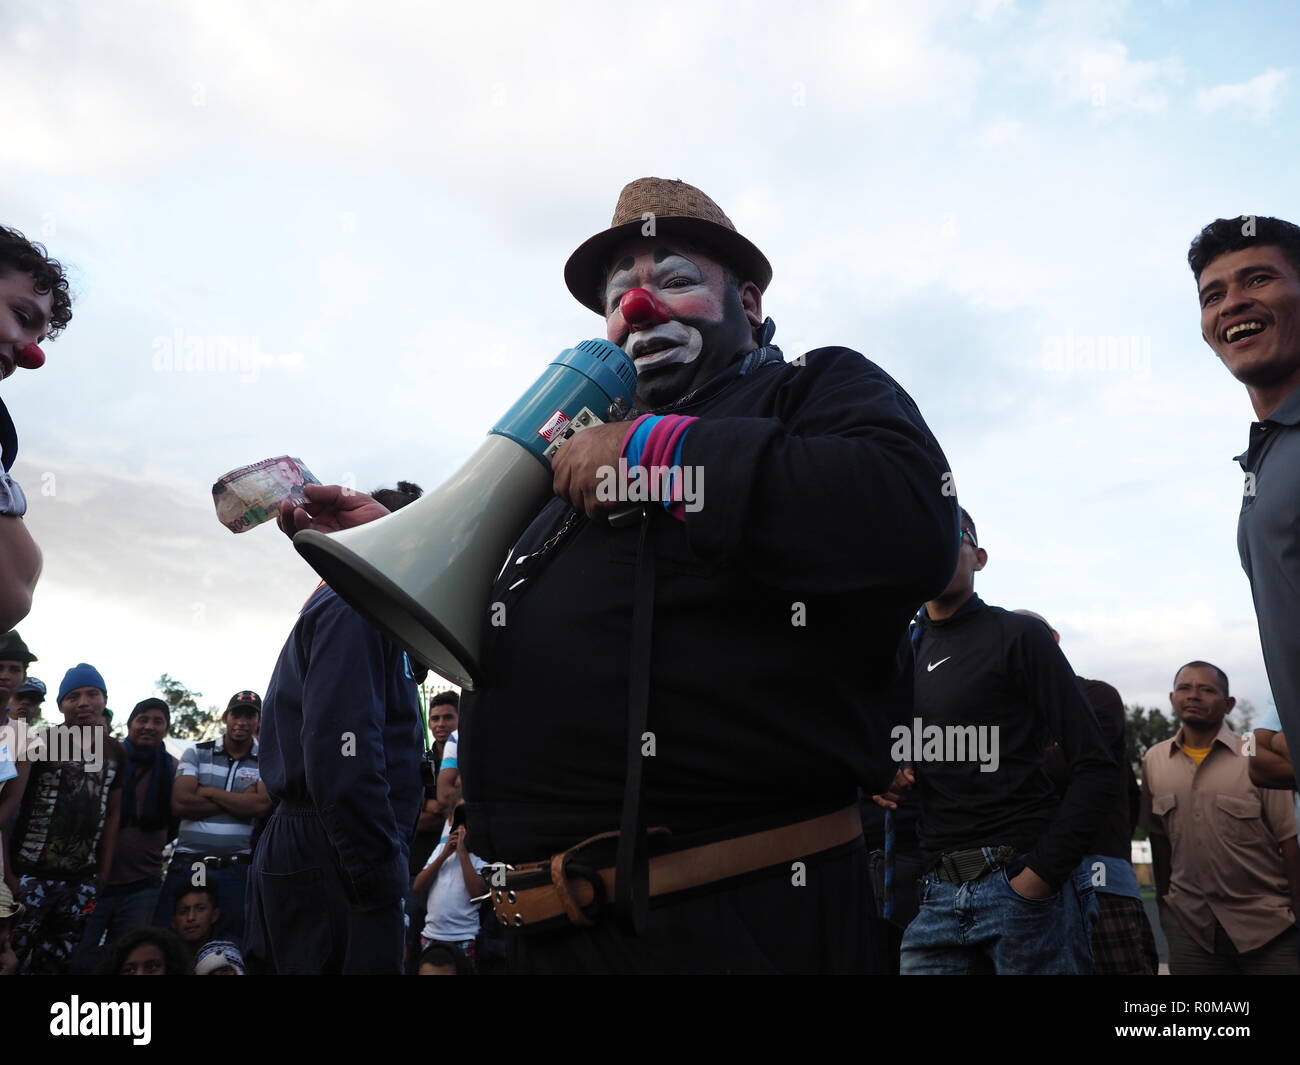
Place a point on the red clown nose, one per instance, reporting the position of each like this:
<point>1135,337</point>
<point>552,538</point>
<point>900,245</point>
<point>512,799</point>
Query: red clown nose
<point>30,357</point>
<point>641,310</point>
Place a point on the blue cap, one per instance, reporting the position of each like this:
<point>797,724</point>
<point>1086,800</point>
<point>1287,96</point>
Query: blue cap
<point>33,686</point>
<point>82,675</point>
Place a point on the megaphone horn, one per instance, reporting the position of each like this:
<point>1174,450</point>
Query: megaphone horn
<point>424,573</point>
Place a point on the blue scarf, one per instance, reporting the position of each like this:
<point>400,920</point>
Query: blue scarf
<point>157,763</point>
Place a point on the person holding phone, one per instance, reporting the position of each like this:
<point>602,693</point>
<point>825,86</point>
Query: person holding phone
<point>453,879</point>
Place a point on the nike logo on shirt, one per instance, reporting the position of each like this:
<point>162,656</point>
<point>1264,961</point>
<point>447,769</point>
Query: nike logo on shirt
<point>932,666</point>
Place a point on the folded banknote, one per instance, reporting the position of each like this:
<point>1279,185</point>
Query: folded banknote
<point>250,495</point>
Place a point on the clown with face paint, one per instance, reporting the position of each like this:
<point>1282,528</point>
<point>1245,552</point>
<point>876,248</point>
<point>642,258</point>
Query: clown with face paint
<point>34,306</point>
<point>689,803</point>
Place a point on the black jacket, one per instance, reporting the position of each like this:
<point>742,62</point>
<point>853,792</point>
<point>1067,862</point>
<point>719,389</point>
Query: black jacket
<point>826,520</point>
<point>341,732</point>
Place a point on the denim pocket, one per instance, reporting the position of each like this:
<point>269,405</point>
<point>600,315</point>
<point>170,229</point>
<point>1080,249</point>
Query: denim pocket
<point>1006,880</point>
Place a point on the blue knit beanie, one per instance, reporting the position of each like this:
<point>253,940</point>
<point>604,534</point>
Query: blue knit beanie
<point>82,675</point>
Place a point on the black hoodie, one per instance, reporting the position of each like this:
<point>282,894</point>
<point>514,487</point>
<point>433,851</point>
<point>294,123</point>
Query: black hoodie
<point>827,519</point>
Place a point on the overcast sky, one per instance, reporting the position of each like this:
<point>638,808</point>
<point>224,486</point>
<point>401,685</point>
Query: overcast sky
<point>367,210</point>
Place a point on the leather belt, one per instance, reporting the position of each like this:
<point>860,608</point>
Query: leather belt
<point>211,861</point>
<point>545,895</point>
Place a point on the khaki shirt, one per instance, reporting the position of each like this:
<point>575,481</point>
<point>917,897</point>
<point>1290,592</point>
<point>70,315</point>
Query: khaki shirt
<point>1224,835</point>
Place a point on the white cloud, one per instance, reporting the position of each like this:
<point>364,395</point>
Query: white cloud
<point>988,9</point>
<point>1002,131</point>
<point>1104,77</point>
<point>1259,97</point>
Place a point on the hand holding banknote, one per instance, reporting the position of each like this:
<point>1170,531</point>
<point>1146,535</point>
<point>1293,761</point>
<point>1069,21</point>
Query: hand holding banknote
<point>329,508</point>
<point>252,494</point>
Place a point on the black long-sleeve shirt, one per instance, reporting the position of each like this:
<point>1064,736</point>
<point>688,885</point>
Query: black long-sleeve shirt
<point>778,611</point>
<point>987,667</point>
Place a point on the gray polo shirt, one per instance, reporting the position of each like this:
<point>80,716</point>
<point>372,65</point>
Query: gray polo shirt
<point>1268,538</point>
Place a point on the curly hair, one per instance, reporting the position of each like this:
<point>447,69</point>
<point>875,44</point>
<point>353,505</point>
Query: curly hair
<point>20,255</point>
<point>1225,235</point>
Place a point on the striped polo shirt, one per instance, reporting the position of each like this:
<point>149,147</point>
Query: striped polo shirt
<point>218,835</point>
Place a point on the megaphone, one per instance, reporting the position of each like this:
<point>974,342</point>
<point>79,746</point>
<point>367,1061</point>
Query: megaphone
<point>424,573</point>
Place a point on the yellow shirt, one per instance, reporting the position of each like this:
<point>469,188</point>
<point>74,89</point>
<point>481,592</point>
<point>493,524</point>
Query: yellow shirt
<point>1196,754</point>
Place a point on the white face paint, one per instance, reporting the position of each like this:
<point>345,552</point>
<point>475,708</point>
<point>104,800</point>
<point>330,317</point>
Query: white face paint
<point>687,343</point>
<point>673,341</point>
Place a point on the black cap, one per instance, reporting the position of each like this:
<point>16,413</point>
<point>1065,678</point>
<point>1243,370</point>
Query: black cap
<point>12,648</point>
<point>245,701</point>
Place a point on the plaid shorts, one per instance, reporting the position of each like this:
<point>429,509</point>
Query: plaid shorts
<point>468,948</point>
<point>1122,941</point>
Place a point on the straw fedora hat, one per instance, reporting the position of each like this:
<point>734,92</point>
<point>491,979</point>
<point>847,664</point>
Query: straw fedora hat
<point>678,208</point>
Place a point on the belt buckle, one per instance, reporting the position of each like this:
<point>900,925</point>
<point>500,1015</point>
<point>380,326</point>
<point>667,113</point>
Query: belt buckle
<point>490,892</point>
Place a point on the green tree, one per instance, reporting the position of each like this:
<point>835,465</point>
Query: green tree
<point>188,720</point>
<point>1147,726</point>
<point>1242,718</point>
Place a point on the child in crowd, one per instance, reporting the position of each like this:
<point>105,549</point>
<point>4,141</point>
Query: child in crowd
<point>452,917</point>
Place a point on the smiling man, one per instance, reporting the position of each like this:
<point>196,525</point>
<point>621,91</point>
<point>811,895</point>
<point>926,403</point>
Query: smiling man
<point>1248,277</point>
<point>662,815</point>
<point>34,307</point>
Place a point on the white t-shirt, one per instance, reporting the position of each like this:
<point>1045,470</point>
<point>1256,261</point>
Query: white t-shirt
<point>450,916</point>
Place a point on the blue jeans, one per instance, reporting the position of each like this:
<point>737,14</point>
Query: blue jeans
<point>985,926</point>
<point>119,909</point>
<point>229,883</point>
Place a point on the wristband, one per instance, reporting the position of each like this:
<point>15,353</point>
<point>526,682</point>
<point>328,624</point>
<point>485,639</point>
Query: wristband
<point>13,502</point>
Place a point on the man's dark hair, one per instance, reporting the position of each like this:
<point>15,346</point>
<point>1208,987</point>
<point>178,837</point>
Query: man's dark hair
<point>1223,677</point>
<point>150,704</point>
<point>22,256</point>
<point>1225,235</point>
<point>202,889</point>
<point>396,498</point>
<point>447,698</point>
<point>175,957</point>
